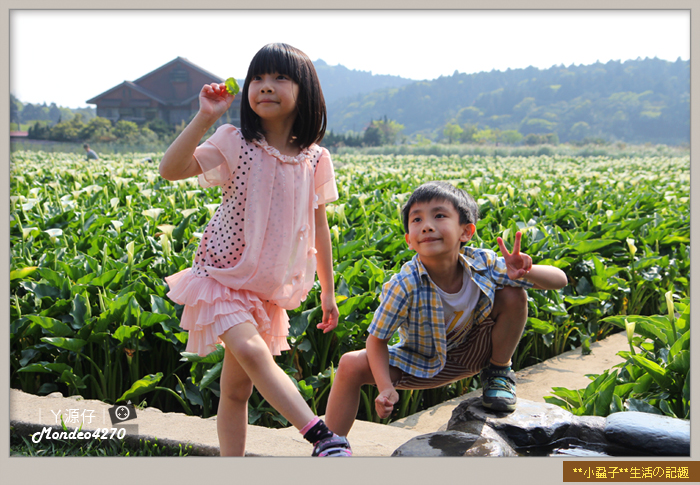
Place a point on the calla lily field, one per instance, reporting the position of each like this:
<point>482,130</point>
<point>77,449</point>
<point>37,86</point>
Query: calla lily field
<point>92,242</point>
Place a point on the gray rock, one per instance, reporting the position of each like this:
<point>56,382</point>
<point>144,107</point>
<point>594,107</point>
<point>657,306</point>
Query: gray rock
<point>590,429</point>
<point>650,433</point>
<point>531,424</point>
<point>537,429</point>
<point>453,443</point>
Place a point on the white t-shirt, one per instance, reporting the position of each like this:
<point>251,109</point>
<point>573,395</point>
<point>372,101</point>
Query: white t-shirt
<point>459,308</point>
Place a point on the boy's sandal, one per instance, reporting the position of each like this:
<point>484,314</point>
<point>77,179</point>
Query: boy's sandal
<point>333,446</point>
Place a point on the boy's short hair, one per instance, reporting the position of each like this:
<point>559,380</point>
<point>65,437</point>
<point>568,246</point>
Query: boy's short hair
<point>460,199</point>
<point>310,122</point>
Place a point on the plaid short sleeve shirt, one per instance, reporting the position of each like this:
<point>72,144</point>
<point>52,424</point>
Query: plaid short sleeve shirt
<point>411,305</point>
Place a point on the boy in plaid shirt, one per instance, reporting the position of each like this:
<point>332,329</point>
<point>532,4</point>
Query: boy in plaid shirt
<point>458,310</point>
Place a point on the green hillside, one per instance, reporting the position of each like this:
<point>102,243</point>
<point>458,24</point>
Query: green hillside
<point>635,101</point>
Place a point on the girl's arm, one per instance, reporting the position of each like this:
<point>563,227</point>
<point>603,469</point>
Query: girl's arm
<point>178,161</point>
<point>324,268</point>
<point>378,357</point>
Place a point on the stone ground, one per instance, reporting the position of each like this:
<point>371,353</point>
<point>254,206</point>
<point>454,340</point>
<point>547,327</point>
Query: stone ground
<point>29,413</point>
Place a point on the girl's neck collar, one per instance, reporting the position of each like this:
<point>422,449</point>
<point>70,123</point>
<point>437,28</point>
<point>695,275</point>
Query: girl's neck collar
<point>303,154</point>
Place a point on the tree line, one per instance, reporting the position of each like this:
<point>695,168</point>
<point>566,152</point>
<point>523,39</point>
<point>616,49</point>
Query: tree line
<point>634,101</point>
<point>102,130</point>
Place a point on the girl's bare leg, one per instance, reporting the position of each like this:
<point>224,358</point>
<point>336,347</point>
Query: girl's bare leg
<point>252,354</point>
<point>232,415</point>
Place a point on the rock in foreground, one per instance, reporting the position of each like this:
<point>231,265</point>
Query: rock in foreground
<point>542,429</point>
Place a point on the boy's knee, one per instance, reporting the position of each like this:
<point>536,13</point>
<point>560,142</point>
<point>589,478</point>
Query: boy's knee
<point>354,366</point>
<point>511,296</point>
<point>510,301</point>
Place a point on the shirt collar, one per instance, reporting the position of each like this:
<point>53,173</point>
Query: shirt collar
<point>422,272</point>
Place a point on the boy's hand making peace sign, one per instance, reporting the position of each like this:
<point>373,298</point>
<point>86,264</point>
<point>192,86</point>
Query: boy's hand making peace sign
<point>518,264</point>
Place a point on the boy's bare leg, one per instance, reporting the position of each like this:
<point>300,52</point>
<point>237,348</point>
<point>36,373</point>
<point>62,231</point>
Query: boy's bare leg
<point>232,415</point>
<point>344,400</point>
<point>510,314</point>
<point>253,355</point>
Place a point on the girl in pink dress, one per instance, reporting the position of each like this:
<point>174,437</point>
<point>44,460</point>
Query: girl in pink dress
<point>259,253</point>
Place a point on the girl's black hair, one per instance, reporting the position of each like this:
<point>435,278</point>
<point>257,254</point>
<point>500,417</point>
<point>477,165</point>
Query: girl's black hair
<point>310,122</point>
<point>463,203</point>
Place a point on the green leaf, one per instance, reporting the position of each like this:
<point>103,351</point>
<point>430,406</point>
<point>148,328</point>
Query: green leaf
<point>211,358</point>
<point>210,376</point>
<point>42,290</point>
<point>28,355</point>
<point>105,278</point>
<point>664,406</point>
<point>46,367</point>
<point>161,306</point>
<point>80,310</point>
<point>604,395</point>
<point>126,332</point>
<point>54,327</point>
<point>557,402</point>
<point>656,372</point>
<point>179,231</point>
<point>643,384</point>
<point>680,363</point>
<point>142,386</point>
<point>148,319</point>
<point>69,378</point>
<point>683,322</point>
<point>540,326</point>
<point>617,404</point>
<point>571,397</point>
<point>593,387</point>
<point>72,344</point>
<point>299,323</point>
<point>683,343</point>
<point>97,337</point>
<point>232,86</point>
<point>581,300</point>
<point>592,245</point>
<point>22,273</point>
<point>622,390</point>
<point>349,247</point>
<point>641,406</point>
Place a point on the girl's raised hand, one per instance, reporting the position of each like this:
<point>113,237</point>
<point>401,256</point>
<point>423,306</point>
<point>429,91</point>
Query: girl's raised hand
<point>518,264</point>
<point>214,99</point>
<point>330,313</point>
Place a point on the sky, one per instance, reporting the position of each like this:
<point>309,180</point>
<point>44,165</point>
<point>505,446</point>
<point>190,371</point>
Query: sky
<point>70,56</point>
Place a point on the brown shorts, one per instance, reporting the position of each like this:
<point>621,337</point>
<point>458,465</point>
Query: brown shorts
<point>463,361</point>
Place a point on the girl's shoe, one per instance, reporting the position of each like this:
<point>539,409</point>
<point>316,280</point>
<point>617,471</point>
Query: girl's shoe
<point>333,446</point>
<point>499,389</point>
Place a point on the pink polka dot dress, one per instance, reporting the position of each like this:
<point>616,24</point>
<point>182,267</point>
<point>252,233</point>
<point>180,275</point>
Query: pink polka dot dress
<point>257,255</point>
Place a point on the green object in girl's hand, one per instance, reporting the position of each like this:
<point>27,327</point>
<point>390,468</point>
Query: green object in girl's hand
<point>232,86</point>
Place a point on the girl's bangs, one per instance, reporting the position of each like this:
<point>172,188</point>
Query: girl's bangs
<point>275,59</point>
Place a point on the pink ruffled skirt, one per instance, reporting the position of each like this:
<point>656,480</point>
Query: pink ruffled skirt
<point>212,308</point>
